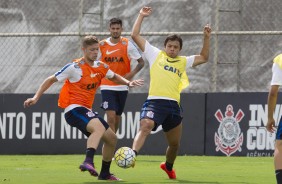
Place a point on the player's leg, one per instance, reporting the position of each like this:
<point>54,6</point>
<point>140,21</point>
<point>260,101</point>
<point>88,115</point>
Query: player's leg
<point>146,126</point>
<point>120,104</point>
<point>172,127</point>
<point>117,122</point>
<point>278,161</point>
<point>96,129</point>
<point>173,137</point>
<point>111,119</point>
<point>89,124</point>
<point>278,154</point>
<point>110,140</point>
<point>150,114</point>
<point>110,105</point>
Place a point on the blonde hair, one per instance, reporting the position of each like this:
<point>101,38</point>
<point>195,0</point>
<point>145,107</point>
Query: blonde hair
<point>89,40</point>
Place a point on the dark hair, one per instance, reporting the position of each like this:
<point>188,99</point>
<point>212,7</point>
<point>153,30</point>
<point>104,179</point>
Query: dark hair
<point>89,40</point>
<point>115,21</point>
<point>174,37</point>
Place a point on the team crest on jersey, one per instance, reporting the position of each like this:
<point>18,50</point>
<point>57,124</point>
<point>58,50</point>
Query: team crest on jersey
<point>123,42</point>
<point>229,137</point>
<point>102,43</point>
<point>90,114</point>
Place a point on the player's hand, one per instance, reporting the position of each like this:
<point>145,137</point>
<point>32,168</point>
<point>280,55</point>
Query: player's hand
<point>270,126</point>
<point>29,102</point>
<point>138,82</point>
<point>207,30</point>
<point>146,11</point>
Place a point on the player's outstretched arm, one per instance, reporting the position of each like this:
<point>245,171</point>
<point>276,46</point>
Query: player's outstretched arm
<point>204,54</point>
<point>271,101</point>
<point>121,80</point>
<point>42,88</point>
<point>135,35</point>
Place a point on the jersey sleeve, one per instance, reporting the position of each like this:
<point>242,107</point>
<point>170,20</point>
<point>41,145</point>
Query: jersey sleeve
<point>190,61</point>
<point>71,71</point>
<point>151,53</point>
<point>65,72</point>
<point>276,75</point>
<point>132,51</point>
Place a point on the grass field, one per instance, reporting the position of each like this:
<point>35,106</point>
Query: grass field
<point>63,169</point>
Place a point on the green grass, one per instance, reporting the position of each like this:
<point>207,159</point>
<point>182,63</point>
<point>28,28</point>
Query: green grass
<point>63,169</point>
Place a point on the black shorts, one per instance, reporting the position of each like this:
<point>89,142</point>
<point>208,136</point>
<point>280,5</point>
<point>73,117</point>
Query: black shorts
<point>113,100</point>
<point>279,130</point>
<point>79,117</point>
<point>163,112</point>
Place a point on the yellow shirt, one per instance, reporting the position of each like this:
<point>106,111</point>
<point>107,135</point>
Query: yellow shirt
<point>168,76</point>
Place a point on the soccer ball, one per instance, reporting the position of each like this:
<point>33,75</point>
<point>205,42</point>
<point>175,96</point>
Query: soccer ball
<point>125,157</point>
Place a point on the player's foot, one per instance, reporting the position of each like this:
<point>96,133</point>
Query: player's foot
<point>108,177</point>
<point>171,174</point>
<point>88,167</point>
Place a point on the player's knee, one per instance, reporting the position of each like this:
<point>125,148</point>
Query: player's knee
<point>278,149</point>
<point>146,126</point>
<point>111,140</point>
<point>110,136</point>
<point>114,138</point>
<point>146,130</point>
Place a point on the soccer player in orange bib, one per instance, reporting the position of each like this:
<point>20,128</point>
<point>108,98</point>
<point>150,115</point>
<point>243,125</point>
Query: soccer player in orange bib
<point>117,52</point>
<point>82,78</point>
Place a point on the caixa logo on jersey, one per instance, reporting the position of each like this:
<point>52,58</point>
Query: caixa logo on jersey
<point>229,138</point>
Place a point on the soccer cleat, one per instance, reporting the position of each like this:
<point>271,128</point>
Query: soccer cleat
<point>109,177</point>
<point>171,174</point>
<point>88,167</point>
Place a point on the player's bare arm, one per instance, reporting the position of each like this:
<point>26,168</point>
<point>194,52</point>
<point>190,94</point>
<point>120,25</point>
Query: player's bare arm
<point>272,100</point>
<point>204,54</point>
<point>138,39</point>
<point>42,88</point>
<point>121,80</point>
<point>139,66</point>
